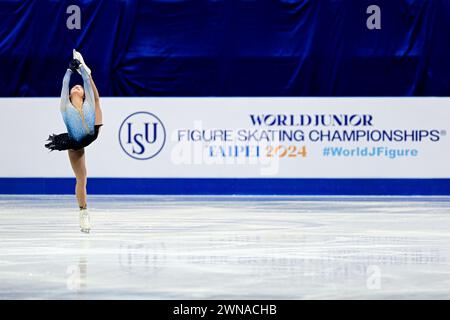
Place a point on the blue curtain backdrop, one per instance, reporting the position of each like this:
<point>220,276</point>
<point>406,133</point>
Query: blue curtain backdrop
<point>229,47</point>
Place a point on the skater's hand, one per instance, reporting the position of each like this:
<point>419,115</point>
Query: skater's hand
<point>74,65</point>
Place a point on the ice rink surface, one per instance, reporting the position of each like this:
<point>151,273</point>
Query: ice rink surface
<point>166,247</point>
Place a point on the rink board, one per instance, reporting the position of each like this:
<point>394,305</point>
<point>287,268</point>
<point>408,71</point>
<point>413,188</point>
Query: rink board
<point>293,146</point>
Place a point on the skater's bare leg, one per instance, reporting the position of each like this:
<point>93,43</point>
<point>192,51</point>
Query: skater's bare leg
<point>98,110</point>
<point>78,162</point>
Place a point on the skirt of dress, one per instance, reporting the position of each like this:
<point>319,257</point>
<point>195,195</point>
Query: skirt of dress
<point>62,141</point>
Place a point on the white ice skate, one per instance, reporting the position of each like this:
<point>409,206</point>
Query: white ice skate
<point>85,223</point>
<point>79,57</point>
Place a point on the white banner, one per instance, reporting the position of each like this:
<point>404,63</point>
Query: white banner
<point>238,137</point>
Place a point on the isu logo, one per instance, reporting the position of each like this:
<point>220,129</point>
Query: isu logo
<point>142,135</point>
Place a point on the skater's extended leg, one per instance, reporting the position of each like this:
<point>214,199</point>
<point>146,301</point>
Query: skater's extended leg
<point>78,162</point>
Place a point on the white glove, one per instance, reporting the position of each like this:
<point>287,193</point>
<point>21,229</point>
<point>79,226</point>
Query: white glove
<point>79,57</point>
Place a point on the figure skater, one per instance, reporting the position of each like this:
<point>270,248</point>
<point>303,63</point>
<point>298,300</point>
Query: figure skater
<point>82,116</point>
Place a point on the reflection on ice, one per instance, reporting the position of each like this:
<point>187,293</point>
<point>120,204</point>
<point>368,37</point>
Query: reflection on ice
<point>225,248</point>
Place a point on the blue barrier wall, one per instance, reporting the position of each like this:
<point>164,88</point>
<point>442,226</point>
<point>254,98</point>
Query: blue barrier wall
<point>229,47</point>
<point>167,186</point>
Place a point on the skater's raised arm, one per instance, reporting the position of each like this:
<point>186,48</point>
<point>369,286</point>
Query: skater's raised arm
<point>65,90</point>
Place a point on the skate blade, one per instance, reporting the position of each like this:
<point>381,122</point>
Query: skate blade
<point>85,230</point>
